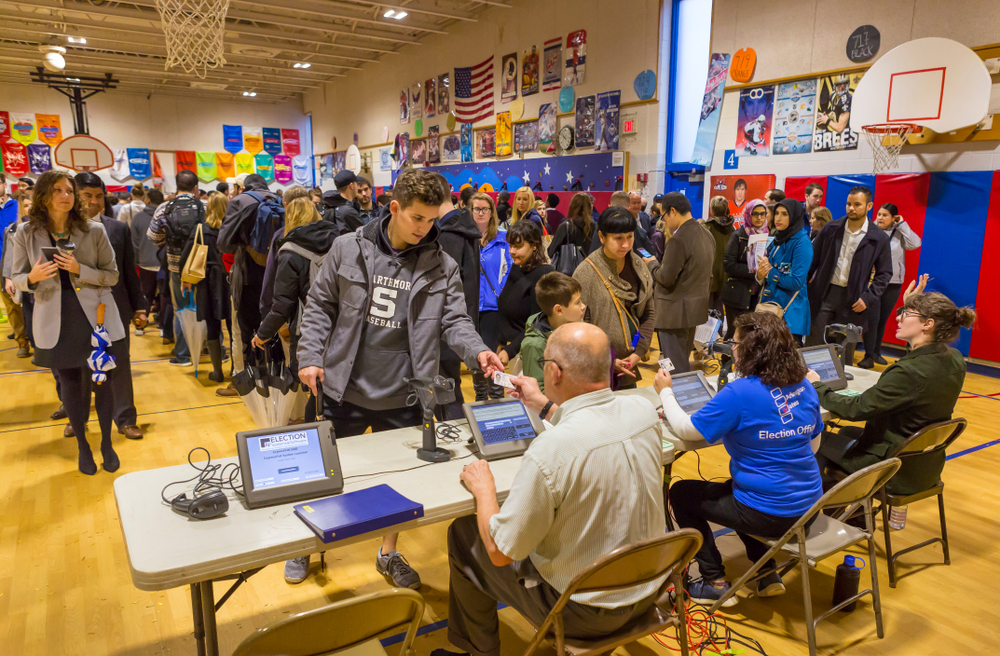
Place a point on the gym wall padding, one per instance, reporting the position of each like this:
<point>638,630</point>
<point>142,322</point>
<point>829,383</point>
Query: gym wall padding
<point>957,215</point>
<point>796,187</point>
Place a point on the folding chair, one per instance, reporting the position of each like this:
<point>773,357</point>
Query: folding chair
<point>936,437</point>
<point>825,537</point>
<point>346,627</point>
<point>623,568</point>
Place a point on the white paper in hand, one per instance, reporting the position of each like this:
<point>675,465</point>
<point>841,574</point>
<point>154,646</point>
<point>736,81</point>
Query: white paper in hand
<point>502,379</point>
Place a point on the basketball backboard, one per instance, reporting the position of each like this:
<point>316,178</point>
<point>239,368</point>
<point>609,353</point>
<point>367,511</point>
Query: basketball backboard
<point>82,152</point>
<point>935,83</point>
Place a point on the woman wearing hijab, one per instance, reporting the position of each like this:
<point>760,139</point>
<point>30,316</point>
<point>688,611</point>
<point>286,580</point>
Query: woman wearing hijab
<point>741,290</point>
<point>782,272</point>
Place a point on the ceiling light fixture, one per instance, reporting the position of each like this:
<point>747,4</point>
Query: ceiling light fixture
<point>250,93</point>
<point>72,79</point>
<point>76,39</point>
<point>389,13</point>
<point>301,65</point>
<point>400,16</point>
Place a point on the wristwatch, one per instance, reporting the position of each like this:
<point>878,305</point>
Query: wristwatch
<point>545,411</point>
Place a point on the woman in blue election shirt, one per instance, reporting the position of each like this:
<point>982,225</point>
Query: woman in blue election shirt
<point>783,271</point>
<point>766,419</point>
<point>495,265</point>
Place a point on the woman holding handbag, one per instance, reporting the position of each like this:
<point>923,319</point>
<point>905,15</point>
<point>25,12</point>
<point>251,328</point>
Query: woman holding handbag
<point>782,272</point>
<point>575,232</point>
<point>494,268</point>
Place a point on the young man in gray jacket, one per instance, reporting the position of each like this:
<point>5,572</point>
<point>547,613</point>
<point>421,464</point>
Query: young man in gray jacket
<point>383,300</point>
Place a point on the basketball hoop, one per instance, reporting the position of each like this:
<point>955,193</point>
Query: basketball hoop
<point>194,31</point>
<point>886,140</point>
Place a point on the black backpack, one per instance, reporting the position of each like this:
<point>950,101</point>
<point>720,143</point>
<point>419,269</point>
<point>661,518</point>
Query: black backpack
<point>183,214</point>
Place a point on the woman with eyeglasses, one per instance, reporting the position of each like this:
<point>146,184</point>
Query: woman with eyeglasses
<point>919,389</point>
<point>741,290</point>
<point>495,264</point>
<point>766,419</point>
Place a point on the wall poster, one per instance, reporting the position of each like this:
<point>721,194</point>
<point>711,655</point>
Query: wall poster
<point>794,113</point>
<point>753,125</point>
<point>711,110</point>
<point>833,113</point>
<point>503,135</point>
<point>608,104</point>
<point>486,143</point>
<point>585,119</point>
<point>576,58</point>
<point>529,72</point>
<point>508,78</point>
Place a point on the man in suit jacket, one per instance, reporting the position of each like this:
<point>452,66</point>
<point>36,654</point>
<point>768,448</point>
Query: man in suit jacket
<point>682,282</point>
<point>845,253</point>
<point>128,296</point>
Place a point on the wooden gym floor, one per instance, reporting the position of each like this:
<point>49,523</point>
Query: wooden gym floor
<point>65,585</point>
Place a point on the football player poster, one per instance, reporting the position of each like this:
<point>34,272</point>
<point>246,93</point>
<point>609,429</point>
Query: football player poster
<point>753,125</point>
<point>833,113</point>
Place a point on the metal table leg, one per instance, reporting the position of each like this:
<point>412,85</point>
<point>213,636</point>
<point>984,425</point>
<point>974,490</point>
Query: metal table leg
<point>199,619</point>
<point>208,613</point>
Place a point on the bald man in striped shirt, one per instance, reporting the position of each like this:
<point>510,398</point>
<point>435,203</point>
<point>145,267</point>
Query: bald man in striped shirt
<point>589,484</point>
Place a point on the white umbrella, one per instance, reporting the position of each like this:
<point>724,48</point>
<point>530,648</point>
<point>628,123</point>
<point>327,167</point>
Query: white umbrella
<point>194,331</point>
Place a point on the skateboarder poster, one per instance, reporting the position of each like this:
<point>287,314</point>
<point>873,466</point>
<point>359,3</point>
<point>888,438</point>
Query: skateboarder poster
<point>529,72</point>
<point>753,124</point>
<point>576,58</point>
<point>607,120</point>
<point>585,118</point>
<point>508,78</point>
<point>711,110</point>
<point>833,112</point>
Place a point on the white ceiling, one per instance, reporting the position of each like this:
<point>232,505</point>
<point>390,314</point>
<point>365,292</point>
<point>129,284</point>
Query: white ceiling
<point>263,40</point>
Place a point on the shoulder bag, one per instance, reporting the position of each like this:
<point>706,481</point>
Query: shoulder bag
<point>194,267</point>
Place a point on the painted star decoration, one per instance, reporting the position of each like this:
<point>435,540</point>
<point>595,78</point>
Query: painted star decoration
<point>527,178</point>
<point>546,169</point>
<point>569,177</point>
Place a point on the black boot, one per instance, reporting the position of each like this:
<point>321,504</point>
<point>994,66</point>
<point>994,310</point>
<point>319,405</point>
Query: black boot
<point>215,353</point>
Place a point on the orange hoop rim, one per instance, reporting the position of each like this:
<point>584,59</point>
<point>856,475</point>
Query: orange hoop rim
<point>892,128</point>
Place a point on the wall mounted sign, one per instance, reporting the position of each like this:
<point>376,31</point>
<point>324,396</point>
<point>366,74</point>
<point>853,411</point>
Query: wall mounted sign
<point>863,44</point>
<point>743,65</point>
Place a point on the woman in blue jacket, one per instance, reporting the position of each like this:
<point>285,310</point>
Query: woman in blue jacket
<point>495,263</point>
<point>783,271</point>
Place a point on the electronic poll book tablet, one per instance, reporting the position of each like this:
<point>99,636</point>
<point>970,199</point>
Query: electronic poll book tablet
<point>825,362</point>
<point>502,428</point>
<point>692,391</point>
<point>291,463</point>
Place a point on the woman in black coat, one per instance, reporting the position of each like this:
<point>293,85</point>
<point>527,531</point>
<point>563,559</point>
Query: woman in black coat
<point>741,290</point>
<point>517,300</point>
<point>577,229</point>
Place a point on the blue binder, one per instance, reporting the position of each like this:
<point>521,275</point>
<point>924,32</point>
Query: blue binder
<point>354,513</point>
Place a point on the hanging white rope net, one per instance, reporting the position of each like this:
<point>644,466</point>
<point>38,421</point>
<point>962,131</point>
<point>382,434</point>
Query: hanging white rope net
<point>194,31</point>
<point>886,141</point>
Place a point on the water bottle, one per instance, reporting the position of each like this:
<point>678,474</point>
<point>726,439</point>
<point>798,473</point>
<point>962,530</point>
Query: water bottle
<point>845,584</point>
<point>897,518</point>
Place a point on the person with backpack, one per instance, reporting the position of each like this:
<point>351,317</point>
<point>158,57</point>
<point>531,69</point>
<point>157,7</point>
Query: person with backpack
<point>494,267</point>
<point>300,254</point>
<point>572,242</point>
<point>251,220</point>
<point>146,251</point>
<point>340,206</point>
<point>173,224</point>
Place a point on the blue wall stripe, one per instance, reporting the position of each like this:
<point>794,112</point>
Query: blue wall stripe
<point>957,203</point>
<point>837,187</point>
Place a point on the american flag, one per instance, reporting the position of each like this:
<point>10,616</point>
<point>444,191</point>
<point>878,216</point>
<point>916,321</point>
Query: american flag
<point>474,92</point>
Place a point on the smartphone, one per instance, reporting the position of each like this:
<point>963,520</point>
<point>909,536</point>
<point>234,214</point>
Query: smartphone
<point>644,252</point>
<point>50,252</point>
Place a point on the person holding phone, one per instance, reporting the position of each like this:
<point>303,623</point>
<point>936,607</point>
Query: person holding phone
<point>67,290</point>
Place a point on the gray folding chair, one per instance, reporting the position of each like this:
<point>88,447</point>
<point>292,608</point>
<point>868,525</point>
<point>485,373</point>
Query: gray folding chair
<point>667,555</point>
<point>936,437</point>
<point>825,537</point>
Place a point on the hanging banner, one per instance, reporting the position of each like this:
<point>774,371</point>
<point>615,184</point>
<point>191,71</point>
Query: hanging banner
<point>252,141</point>
<point>444,98</point>
<point>508,77</point>
<point>185,161</point>
<point>711,110</point>
<point>206,166</point>
<point>244,163</point>
<point>467,143</point>
<point>15,159</point>
<point>272,140</point>
<point>753,124</point>
<point>40,158</point>
<point>265,166</point>
<point>119,171</point>
<point>232,138</point>
<point>794,111</point>
<point>290,142</point>
<point>608,104</point>
<point>585,121</point>
<point>529,72</point>
<point>49,128</point>
<point>4,127</point>
<point>22,128</point>
<point>138,163</point>
<point>300,168</point>
<point>547,128</point>
<point>282,169</point>
<point>225,165</point>
<point>157,171</point>
<point>404,106</point>
<point>576,58</point>
<point>552,65</point>
<point>504,136</point>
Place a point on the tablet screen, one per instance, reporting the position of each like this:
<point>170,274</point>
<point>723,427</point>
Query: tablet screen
<point>820,361</point>
<point>503,422</point>
<point>285,458</point>
<point>690,393</point>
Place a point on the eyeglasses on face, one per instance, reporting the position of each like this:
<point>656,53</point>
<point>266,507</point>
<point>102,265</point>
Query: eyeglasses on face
<point>904,312</point>
<point>542,361</point>
<point>480,210</point>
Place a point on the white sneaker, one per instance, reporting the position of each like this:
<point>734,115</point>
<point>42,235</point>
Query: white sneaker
<point>139,332</point>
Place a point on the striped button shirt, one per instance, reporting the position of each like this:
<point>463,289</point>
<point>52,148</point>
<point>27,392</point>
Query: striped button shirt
<point>588,485</point>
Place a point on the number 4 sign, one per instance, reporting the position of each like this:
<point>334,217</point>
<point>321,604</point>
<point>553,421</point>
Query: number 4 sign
<point>731,161</point>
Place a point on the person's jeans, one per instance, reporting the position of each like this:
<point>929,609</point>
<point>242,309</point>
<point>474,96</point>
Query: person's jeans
<point>350,420</point>
<point>836,308</point>
<point>489,330</point>
<point>696,503</point>
<point>177,299</point>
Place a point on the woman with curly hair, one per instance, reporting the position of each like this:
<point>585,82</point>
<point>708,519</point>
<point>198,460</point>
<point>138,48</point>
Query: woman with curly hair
<point>766,419</point>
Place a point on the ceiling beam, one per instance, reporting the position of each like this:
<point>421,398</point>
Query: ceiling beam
<point>287,21</point>
<point>416,8</point>
<point>170,91</point>
<point>250,30</point>
<point>338,11</point>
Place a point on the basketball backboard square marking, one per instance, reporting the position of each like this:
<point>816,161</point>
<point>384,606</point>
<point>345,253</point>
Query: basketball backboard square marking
<point>915,95</point>
<point>83,158</point>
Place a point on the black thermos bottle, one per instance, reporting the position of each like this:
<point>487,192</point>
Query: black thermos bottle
<point>845,584</point>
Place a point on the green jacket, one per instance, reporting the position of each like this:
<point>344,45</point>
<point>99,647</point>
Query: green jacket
<point>536,334</point>
<point>921,388</point>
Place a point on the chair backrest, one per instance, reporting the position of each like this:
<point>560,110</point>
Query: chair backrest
<point>637,563</point>
<point>931,438</point>
<point>338,626</point>
<point>856,488</point>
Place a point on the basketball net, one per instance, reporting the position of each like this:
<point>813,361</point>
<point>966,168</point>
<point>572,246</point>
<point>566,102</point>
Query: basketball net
<point>194,30</point>
<point>886,140</point>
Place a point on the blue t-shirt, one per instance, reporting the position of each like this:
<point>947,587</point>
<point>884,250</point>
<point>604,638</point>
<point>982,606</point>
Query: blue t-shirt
<point>767,433</point>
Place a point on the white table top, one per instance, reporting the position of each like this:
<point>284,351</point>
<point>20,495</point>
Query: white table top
<point>167,550</point>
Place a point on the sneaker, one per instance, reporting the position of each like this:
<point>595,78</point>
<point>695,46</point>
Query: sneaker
<point>770,586</point>
<point>396,568</point>
<point>139,332</point>
<point>881,360</point>
<point>177,362</point>
<point>297,569</point>
<point>866,363</point>
<point>709,592</point>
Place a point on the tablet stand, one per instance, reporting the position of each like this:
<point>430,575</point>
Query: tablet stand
<point>846,336</point>
<point>431,392</point>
